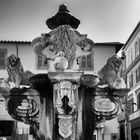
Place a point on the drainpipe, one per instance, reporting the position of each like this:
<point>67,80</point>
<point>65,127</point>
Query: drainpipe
<point>126,120</point>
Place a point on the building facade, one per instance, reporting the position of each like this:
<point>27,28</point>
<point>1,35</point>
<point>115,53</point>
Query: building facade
<point>131,118</point>
<point>38,64</point>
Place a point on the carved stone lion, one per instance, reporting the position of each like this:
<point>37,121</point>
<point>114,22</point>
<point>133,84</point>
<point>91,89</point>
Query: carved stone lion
<point>110,74</point>
<point>16,72</point>
<point>64,39</point>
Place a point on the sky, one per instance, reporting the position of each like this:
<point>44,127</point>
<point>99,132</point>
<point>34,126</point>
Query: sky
<point>101,20</point>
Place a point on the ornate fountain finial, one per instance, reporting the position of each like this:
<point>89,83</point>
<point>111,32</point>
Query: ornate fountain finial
<point>62,17</point>
<point>63,8</point>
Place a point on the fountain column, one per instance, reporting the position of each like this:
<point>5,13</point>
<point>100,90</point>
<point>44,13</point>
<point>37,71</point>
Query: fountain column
<point>65,103</point>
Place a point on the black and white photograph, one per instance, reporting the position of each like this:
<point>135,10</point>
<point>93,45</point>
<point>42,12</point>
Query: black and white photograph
<point>69,69</point>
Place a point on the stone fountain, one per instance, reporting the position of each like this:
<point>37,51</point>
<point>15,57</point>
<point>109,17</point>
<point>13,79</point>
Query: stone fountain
<point>60,104</point>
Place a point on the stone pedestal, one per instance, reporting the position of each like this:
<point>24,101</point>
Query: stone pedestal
<point>67,105</point>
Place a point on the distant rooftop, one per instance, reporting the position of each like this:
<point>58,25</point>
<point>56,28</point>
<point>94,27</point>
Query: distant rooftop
<point>117,44</point>
<point>13,41</point>
<point>109,43</point>
<point>133,32</point>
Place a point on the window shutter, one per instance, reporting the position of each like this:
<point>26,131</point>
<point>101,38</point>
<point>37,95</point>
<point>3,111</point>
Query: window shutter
<point>138,73</point>
<point>132,105</point>
<point>3,54</point>
<point>138,100</point>
<point>86,62</point>
<point>89,61</point>
<point>131,80</point>
<point>41,62</point>
<point>83,62</point>
<point>139,44</point>
<point>128,106</point>
<point>136,49</point>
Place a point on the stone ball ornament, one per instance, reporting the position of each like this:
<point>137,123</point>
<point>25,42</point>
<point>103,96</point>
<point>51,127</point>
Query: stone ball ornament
<point>60,63</point>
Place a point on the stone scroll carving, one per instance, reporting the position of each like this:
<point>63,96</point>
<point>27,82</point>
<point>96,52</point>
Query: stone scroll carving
<point>24,105</point>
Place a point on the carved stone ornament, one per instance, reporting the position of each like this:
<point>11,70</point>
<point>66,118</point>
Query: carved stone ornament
<point>65,124</point>
<point>24,105</point>
<point>60,63</point>
<point>65,97</point>
<point>62,39</point>
<point>105,106</point>
<point>63,102</point>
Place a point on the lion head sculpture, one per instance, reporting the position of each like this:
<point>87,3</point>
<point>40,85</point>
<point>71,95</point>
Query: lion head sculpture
<point>110,74</point>
<point>116,63</point>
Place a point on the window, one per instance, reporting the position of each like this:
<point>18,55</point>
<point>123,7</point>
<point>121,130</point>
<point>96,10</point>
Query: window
<point>132,55</point>
<point>136,49</point>
<point>138,98</point>
<point>122,131</point>
<point>124,65</point>
<point>41,62</point>
<point>83,64</point>
<point>125,79</point>
<point>3,56</point>
<point>130,105</point>
<point>139,44</point>
<point>131,80</point>
<point>86,62</point>
<point>138,74</point>
<point>6,128</point>
<point>129,57</point>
